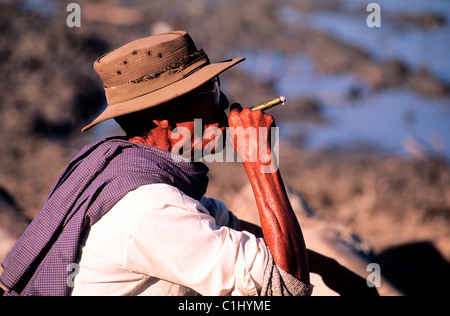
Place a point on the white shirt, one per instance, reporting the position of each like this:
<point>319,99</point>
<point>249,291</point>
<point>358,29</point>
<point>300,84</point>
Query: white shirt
<point>159,241</point>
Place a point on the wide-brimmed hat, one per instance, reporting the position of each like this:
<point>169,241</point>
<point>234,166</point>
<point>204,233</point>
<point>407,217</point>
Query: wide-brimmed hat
<point>153,70</point>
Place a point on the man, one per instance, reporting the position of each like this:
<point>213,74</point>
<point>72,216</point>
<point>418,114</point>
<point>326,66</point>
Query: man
<point>129,217</point>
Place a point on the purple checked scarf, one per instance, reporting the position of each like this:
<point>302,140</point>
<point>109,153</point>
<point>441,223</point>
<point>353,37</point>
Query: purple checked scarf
<point>99,176</point>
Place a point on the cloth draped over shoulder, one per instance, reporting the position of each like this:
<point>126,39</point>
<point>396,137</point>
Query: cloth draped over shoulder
<point>93,182</point>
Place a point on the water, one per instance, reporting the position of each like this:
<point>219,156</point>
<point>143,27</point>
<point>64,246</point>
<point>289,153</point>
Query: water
<point>394,40</point>
<point>43,7</point>
<point>387,120</point>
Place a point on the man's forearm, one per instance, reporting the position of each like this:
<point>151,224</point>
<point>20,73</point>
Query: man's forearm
<point>281,230</point>
<point>279,224</point>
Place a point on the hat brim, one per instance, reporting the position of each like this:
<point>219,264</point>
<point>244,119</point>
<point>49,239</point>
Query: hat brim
<point>165,94</point>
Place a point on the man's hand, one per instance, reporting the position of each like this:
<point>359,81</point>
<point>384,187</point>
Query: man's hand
<point>250,133</point>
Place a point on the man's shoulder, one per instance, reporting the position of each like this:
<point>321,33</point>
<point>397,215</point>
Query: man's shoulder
<point>159,195</point>
<point>146,200</point>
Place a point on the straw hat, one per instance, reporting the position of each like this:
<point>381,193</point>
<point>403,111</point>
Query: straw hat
<point>153,70</point>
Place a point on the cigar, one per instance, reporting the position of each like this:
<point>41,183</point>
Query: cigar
<point>270,104</point>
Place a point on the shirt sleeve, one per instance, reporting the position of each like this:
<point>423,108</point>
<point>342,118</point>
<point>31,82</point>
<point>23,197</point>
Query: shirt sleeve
<point>278,282</point>
<point>175,238</point>
<point>221,214</point>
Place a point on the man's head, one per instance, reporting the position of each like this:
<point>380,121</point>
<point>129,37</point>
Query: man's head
<point>161,72</point>
<point>207,103</point>
<point>160,125</point>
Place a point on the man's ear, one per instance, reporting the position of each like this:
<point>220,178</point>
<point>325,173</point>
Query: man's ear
<point>162,124</point>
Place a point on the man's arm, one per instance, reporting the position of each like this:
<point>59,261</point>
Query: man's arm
<point>280,228</point>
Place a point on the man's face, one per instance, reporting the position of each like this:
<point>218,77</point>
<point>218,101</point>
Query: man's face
<point>199,107</point>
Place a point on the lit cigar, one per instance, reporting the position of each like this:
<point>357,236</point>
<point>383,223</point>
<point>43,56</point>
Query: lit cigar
<point>270,104</point>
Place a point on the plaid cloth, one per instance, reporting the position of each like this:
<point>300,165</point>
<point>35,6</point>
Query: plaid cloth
<point>98,177</point>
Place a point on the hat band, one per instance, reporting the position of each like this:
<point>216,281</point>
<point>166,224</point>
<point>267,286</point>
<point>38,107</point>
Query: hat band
<point>166,76</point>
